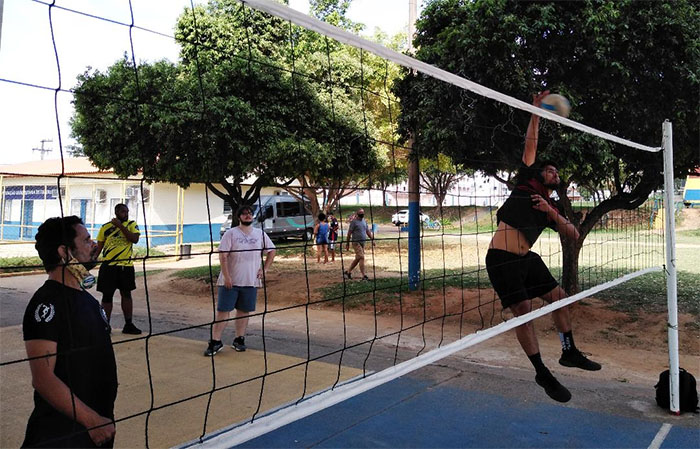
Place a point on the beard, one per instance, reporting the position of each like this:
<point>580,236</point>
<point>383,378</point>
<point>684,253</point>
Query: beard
<point>246,223</point>
<point>552,185</point>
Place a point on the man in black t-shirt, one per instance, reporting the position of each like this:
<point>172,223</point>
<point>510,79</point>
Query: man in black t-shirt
<point>66,335</point>
<point>518,275</point>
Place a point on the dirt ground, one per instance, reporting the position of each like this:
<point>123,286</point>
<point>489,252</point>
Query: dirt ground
<point>635,344</point>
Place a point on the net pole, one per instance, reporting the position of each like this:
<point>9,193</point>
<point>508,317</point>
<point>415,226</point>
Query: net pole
<point>671,280</point>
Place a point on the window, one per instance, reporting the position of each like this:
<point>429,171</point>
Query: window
<point>227,207</point>
<point>288,209</point>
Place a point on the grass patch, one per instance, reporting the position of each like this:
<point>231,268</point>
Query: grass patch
<point>648,294</point>
<point>643,294</point>
<point>198,273</point>
<point>24,264</point>
<point>358,293</point>
<point>692,233</point>
<point>20,264</point>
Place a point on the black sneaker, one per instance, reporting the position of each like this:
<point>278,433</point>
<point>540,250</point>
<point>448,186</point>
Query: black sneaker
<point>365,278</point>
<point>347,274</point>
<point>239,344</point>
<point>552,387</point>
<point>129,328</point>
<point>213,348</point>
<point>574,358</point>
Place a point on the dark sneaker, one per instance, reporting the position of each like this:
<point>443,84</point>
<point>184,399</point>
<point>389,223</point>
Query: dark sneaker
<point>347,274</point>
<point>129,328</point>
<point>213,348</point>
<point>574,358</point>
<point>239,344</point>
<point>552,387</point>
<point>365,278</point>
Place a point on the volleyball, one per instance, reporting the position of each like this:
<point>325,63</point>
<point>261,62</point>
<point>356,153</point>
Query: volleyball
<point>557,104</point>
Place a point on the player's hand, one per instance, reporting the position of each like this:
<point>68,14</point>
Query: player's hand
<point>102,430</point>
<point>116,222</point>
<point>261,273</point>
<point>537,98</point>
<point>539,203</point>
<point>228,284</point>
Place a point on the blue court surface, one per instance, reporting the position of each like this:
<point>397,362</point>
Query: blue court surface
<point>415,413</point>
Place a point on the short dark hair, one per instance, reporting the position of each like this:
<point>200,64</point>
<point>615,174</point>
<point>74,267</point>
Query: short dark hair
<point>242,209</point>
<point>321,216</point>
<point>53,233</point>
<point>116,208</point>
<point>547,162</point>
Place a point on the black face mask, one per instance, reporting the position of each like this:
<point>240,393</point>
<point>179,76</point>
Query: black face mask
<point>360,216</point>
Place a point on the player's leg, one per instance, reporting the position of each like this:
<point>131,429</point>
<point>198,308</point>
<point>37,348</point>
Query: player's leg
<point>106,284</point>
<point>246,304</point>
<point>507,273</point>
<point>225,303</point>
<point>539,275</point>
<point>356,260</point>
<point>107,304</point>
<point>571,356</point>
<point>127,283</point>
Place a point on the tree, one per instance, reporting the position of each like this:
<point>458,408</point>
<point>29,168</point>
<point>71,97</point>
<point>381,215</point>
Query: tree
<point>220,127</point>
<point>626,66</point>
<point>225,30</point>
<point>438,175</point>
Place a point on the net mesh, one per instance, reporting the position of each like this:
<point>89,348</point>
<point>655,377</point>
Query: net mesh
<point>316,337</point>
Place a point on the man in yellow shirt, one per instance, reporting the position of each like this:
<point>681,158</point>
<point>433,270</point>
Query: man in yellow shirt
<point>116,240</point>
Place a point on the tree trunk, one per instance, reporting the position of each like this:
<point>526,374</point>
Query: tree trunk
<point>569,276</point>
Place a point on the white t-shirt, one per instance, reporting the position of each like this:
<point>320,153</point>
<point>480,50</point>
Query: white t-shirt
<point>246,257</point>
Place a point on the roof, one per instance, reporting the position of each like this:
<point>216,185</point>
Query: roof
<point>73,166</point>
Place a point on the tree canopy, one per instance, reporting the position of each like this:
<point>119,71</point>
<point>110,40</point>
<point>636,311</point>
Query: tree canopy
<point>626,66</point>
<point>232,107</point>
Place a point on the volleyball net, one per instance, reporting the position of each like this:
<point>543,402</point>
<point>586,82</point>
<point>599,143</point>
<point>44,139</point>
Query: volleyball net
<point>271,104</point>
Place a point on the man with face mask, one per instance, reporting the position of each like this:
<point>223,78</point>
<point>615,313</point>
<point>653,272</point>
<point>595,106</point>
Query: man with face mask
<point>358,231</point>
<point>518,274</point>
<point>66,334</point>
<point>116,241</point>
<point>240,253</point>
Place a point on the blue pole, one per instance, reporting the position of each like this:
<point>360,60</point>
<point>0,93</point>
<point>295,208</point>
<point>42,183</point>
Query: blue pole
<point>413,245</point>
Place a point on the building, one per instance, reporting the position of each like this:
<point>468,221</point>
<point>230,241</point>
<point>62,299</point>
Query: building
<point>34,191</point>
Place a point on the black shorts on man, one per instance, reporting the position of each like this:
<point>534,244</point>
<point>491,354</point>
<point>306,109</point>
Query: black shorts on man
<point>114,277</point>
<point>518,278</point>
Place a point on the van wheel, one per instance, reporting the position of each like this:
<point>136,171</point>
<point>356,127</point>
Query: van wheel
<point>308,235</point>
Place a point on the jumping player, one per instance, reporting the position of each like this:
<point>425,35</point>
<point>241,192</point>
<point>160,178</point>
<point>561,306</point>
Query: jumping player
<point>518,275</point>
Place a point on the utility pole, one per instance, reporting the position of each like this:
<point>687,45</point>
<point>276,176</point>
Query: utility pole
<point>43,150</point>
<point>413,180</point>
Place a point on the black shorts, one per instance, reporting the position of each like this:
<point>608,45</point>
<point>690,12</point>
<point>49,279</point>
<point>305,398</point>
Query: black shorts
<point>111,278</point>
<point>517,278</point>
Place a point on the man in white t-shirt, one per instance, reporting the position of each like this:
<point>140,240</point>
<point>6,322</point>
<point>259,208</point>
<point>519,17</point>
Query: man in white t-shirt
<point>240,253</point>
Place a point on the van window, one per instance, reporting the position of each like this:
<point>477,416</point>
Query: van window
<point>286,209</point>
<point>267,212</point>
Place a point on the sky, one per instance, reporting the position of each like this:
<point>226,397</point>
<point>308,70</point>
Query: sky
<point>30,74</point>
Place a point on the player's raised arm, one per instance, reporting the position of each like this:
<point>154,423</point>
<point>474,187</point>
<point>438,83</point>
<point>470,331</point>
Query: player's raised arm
<point>533,130</point>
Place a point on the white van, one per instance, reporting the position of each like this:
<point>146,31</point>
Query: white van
<point>280,216</point>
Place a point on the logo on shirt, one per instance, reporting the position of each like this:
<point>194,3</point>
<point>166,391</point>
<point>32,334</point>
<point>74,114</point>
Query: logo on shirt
<point>245,240</point>
<point>44,313</point>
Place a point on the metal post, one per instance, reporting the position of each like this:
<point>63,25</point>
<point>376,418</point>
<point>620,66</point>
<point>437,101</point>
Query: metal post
<point>671,292</point>
<point>413,225</point>
<point>413,183</point>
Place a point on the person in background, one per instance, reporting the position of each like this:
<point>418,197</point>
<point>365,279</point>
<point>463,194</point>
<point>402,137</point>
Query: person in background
<point>333,228</point>
<point>321,235</point>
<point>116,241</point>
<point>240,253</point>
<point>358,232</point>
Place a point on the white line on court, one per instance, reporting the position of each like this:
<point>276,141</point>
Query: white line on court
<point>660,436</point>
